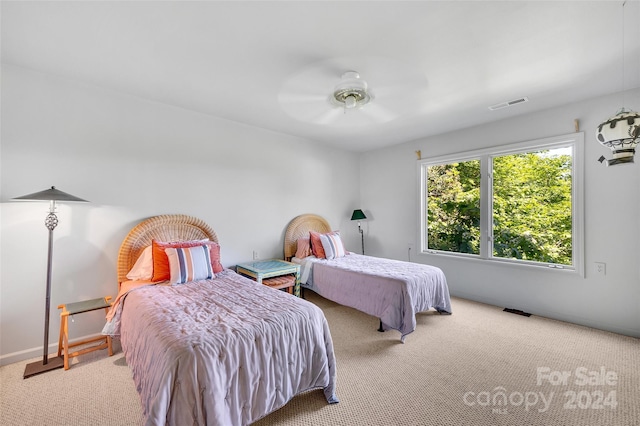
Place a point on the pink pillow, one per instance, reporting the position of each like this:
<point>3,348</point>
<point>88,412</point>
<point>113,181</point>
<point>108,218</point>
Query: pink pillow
<point>303,248</point>
<point>316,245</point>
<point>161,271</point>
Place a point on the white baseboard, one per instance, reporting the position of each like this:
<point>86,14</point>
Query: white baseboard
<point>36,352</point>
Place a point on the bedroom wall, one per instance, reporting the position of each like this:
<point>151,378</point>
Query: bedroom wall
<point>612,225</point>
<point>133,159</point>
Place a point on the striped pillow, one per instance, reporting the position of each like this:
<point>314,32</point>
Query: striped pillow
<point>332,245</point>
<point>189,264</point>
<point>161,263</point>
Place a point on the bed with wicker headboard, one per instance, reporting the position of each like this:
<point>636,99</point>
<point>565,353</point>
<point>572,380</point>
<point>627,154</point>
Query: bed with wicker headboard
<point>299,227</point>
<point>170,227</point>
<point>223,350</point>
<point>391,290</point>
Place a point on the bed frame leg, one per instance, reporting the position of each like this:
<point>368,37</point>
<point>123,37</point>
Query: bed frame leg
<point>380,329</point>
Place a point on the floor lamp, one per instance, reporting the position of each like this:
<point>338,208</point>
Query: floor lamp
<point>52,195</point>
<point>359,215</point>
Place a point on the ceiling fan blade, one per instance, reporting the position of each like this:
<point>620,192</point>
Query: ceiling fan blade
<point>379,113</point>
<point>299,98</point>
<point>329,116</point>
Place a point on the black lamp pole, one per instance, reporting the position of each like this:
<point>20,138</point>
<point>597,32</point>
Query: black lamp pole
<point>50,222</point>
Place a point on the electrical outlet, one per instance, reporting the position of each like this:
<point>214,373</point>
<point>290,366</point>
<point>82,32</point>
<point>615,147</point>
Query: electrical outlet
<point>600,268</point>
<point>255,255</point>
<point>410,246</point>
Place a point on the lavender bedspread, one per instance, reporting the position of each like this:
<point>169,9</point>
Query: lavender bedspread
<point>225,351</point>
<point>391,290</point>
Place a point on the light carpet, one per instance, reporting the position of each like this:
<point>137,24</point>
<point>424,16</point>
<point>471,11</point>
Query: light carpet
<point>479,366</point>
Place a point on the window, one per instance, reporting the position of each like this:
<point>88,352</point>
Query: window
<point>519,203</point>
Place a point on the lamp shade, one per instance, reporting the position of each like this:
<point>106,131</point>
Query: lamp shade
<point>52,194</point>
<point>358,215</point>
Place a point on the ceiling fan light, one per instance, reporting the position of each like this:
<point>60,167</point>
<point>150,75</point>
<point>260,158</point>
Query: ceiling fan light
<point>350,102</point>
<point>351,92</point>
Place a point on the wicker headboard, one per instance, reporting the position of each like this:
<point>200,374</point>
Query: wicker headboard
<point>172,227</point>
<point>299,227</point>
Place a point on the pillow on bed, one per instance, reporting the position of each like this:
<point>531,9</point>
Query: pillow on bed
<point>316,245</point>
<point>143,268</point>
<point>303,248</point>
<point>161,262</point>
<point>332,245</point>
<point>189,264</point>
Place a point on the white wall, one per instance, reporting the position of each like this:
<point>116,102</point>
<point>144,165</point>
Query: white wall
<point>134,159</point>
<point>612,225</point>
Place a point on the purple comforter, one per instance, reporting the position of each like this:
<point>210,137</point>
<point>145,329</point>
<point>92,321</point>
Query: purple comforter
<point>225,351</point>
<point>391,290</point>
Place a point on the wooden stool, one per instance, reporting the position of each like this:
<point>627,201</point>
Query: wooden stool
<point>78,308</point>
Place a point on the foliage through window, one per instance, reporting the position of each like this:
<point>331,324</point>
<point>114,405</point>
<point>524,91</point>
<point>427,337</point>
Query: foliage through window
<point>519,203</point>
<point>453,222</point>
<point>532,206</point>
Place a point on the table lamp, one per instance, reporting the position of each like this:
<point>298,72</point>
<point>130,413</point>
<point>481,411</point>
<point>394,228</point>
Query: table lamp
<point>52,195</point>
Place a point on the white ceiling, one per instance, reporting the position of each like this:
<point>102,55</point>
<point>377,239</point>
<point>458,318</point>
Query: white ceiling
<point>431,66</point>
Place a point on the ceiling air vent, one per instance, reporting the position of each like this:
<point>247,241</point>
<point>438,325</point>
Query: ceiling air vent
<point>508,103</point>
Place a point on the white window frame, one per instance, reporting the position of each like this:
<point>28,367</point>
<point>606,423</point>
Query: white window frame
<point>574,140</point>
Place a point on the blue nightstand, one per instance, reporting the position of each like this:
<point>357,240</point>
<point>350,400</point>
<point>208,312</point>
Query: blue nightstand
<point>271,273</point>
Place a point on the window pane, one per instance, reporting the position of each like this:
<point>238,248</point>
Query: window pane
<point>532,206</point>
<point>453,207</point>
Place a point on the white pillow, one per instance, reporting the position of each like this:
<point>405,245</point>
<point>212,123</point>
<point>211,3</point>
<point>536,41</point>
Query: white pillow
<point>143,268</point>
<point>332,245</point>
<point>189,264</point>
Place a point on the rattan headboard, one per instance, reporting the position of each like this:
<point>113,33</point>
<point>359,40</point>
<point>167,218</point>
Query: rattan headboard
<point>172,227</point>
<point>299,227</point>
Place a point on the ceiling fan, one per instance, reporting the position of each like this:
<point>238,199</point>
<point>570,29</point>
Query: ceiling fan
<point>332,94</point>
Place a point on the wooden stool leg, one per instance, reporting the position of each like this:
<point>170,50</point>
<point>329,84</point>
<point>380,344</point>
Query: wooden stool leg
<point>60,338</point>
<point>109,344</point>
<point>65,337</point>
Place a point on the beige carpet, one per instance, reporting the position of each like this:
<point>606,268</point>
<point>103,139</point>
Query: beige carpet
<point>451,371</point>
